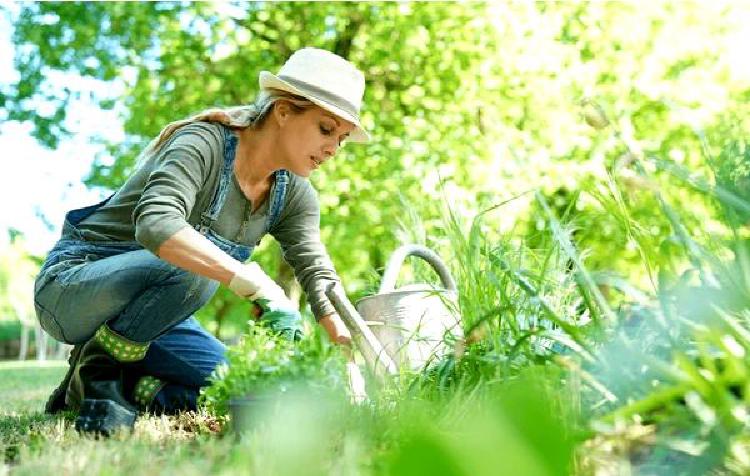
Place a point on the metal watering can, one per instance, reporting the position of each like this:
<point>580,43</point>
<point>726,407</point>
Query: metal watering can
<point>404,327</point>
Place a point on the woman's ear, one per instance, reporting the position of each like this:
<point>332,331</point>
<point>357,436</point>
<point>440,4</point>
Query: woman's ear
<point>281,112</point>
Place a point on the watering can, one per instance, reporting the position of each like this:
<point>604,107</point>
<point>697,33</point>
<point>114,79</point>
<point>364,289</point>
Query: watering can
<point>402,327</point>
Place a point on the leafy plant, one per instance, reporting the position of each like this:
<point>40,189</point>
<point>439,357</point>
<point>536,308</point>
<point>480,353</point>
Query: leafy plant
<point>263,363</point>
<point>732,169</point>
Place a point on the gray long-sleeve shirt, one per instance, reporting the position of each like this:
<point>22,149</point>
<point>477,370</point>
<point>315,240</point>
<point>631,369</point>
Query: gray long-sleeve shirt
<point>171,189</point>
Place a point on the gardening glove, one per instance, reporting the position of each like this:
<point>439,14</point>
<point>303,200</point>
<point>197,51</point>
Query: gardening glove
<point>282,317</point>
<point>251,282</point>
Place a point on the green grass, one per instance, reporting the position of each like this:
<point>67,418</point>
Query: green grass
<point>34,443</point>
<point>531,390</point>
<point>25,385</point>
<point>300,436</point>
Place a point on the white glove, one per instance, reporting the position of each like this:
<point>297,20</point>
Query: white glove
<point>356,383</point>
<point>253,283</point>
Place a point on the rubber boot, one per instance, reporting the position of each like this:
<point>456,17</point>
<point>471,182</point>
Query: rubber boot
<point>163,398</point>
<point>96,386</point>
<point>145,393</point>
<point>56,401</point>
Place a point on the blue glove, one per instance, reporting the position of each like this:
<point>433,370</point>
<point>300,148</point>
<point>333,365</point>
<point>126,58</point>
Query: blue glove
<point>281,318</point>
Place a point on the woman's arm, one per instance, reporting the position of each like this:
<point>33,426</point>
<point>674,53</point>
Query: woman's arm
<point>298,233</point>
<point>337,330</point>
<point>192,251</point>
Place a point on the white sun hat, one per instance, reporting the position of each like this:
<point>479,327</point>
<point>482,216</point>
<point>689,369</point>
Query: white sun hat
<point>326,79</point>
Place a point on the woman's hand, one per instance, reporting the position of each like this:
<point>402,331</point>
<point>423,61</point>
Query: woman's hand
<point>339,334</point>
<point>336,329</point>
<point>280,316</point>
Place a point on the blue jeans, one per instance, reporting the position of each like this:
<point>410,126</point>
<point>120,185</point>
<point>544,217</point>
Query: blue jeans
<point>82,285</point>
<point>184,356</point>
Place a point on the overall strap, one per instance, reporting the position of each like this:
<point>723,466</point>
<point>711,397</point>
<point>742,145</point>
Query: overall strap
<point>209,216</point>
<point>279,195</point>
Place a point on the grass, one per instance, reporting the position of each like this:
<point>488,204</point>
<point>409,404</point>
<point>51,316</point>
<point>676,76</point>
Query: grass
<point>26,384</point>
<point>302,436</point>
<point>36,444</point>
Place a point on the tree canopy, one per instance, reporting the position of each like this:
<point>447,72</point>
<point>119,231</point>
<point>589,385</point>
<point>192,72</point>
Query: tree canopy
<point>469,104</point>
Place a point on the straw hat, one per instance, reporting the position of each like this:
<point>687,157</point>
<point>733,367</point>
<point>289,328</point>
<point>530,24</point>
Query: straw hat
<point>326,79</point>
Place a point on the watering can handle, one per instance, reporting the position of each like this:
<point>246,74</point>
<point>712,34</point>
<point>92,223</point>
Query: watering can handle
<point>397,259</point>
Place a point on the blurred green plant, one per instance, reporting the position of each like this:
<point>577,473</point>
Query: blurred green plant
<point>732,171</point>
<point>681,365</point>
<point>265,366</point>
<point>18,267</point>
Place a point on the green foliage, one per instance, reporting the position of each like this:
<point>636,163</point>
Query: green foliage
<point>520,417</point>
<point>519,305</point>
<point>452,95</point>
<point>265,365</point>
<point>18,269</point>
<point>733,174</point>
<point>675,360</point>
<point>682,368</point>
<point>451,98</point>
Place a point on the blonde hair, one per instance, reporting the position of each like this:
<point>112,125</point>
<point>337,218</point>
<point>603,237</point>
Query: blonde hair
<point>239,117</point>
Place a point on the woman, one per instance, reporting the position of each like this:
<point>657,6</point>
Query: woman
<point>127,275</point>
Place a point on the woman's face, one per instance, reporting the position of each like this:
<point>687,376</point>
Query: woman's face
<point>309,139</point>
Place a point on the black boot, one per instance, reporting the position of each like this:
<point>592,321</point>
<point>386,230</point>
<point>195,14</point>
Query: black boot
<point>96,386</point>
<point>159,397</point>
<point>56,401</point>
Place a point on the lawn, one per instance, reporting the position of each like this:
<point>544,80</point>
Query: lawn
<point>35,443</point>
<point>309,436</point>
<point>26,384</point>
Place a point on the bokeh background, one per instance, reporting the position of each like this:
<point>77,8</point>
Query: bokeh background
<point>582,167</point>
<point>469,104</point>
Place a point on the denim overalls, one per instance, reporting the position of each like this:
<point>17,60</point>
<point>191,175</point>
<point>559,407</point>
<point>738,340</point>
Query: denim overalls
<point>83,284</point>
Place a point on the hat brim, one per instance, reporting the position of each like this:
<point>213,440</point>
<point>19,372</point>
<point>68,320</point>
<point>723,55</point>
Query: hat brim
<point>358,134</point>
